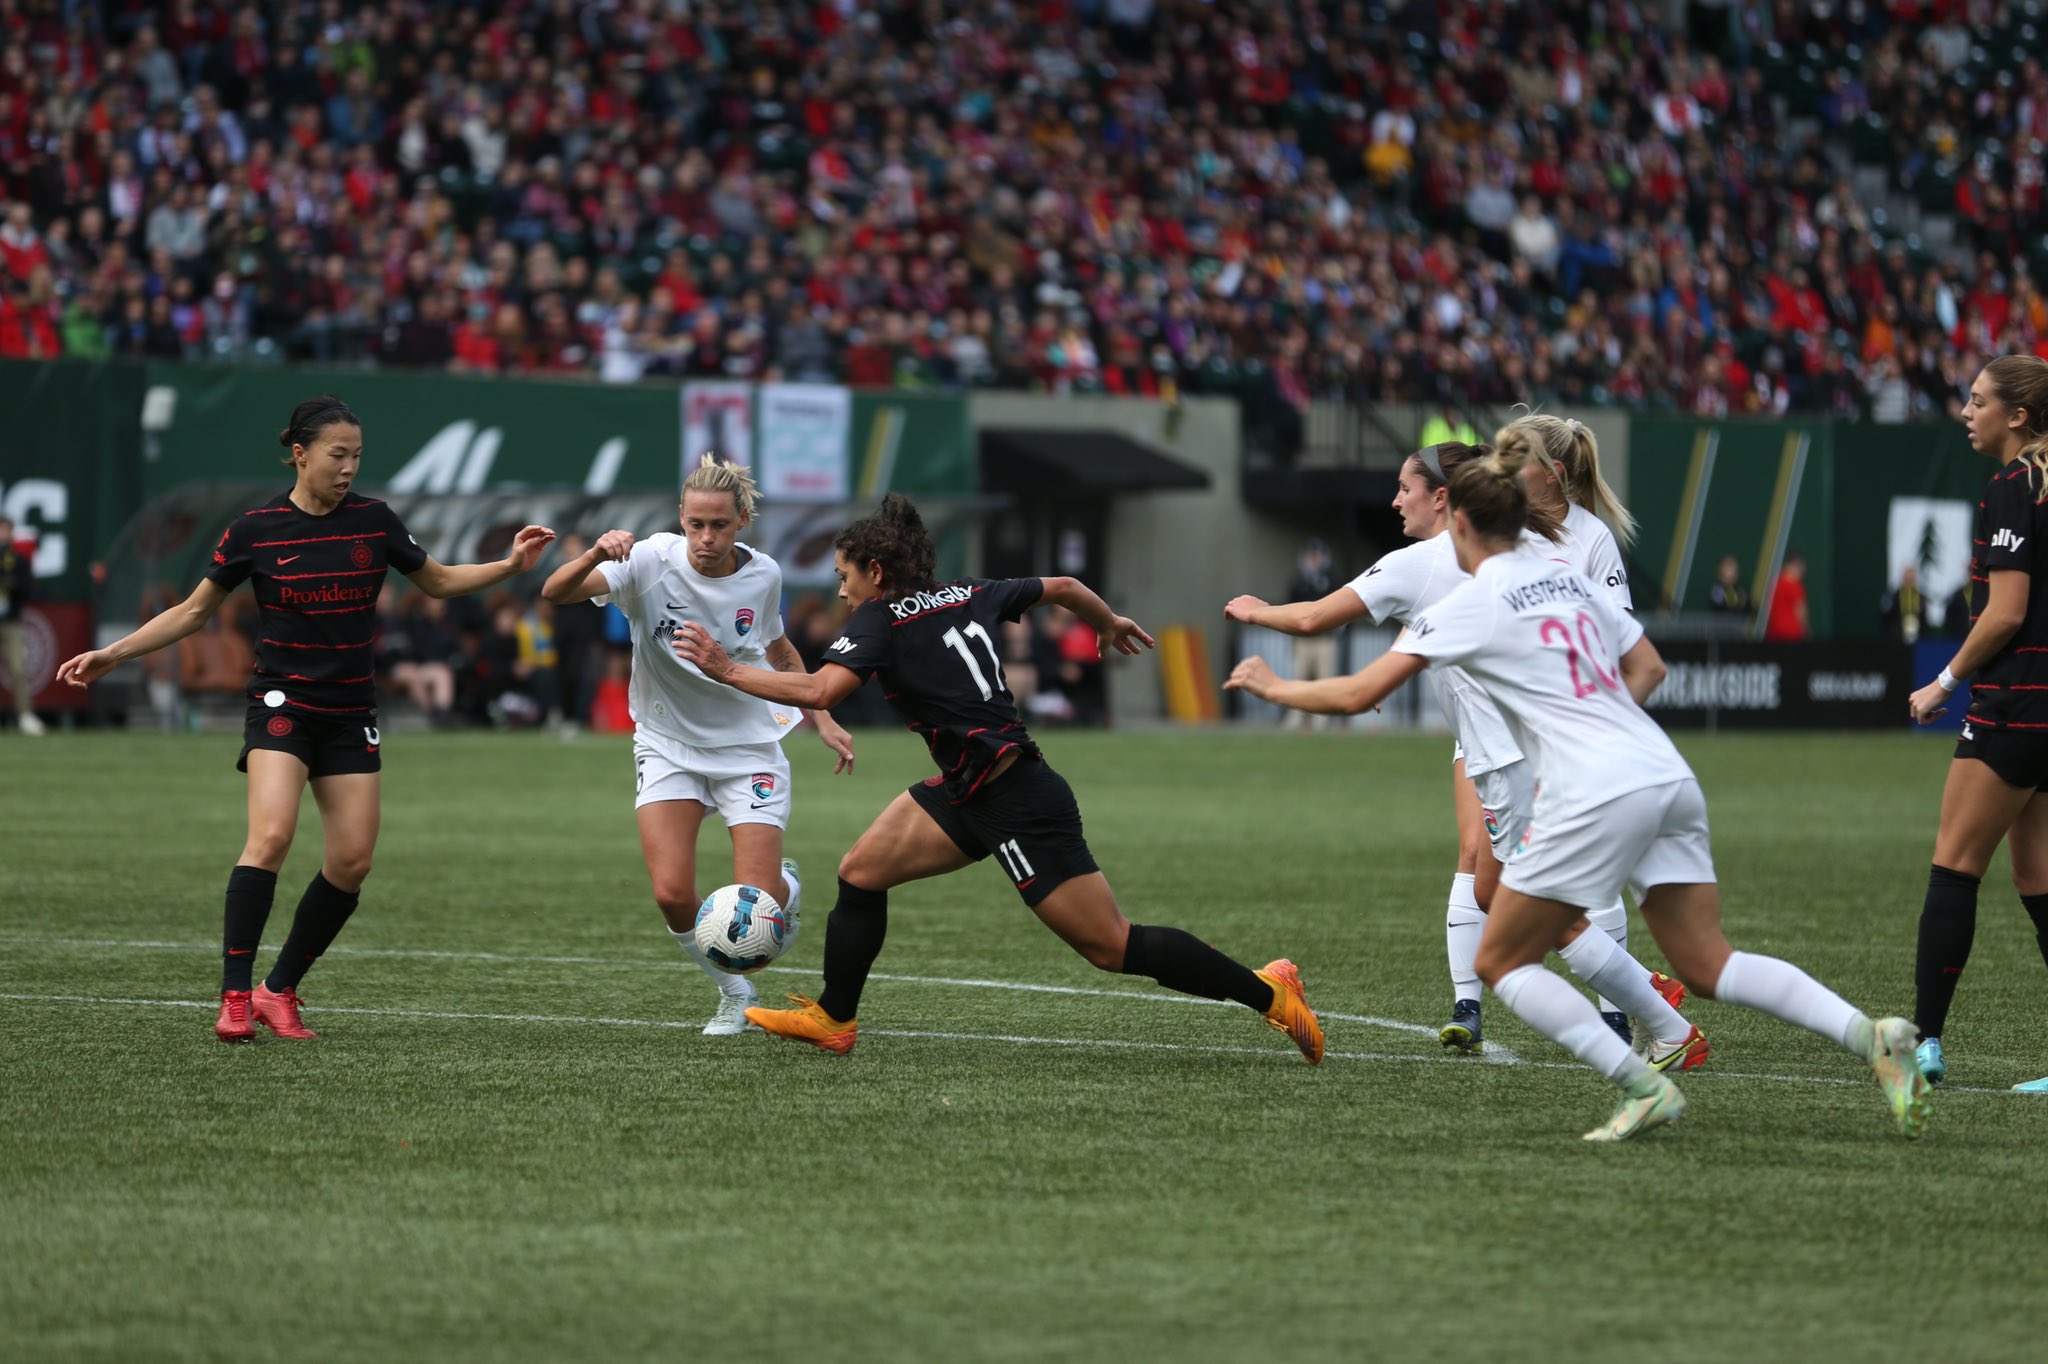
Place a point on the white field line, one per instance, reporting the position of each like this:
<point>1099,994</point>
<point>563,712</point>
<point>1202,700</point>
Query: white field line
<point>1494,1052</point>
<point>1088,1043</point>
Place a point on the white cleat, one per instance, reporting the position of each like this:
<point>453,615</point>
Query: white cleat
<point>1898,1074</point>
<point>731,1018</point>
<point>790,912</point>
<point>1661,1106</point>
<point>32,727</point>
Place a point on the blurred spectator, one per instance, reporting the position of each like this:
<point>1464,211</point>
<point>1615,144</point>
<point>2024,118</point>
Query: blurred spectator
<point>1787,621</point>
<point>422,655</point>
<point>17,585</point>
<point>1315,656</point>
<point>579,648</point>
<point>1904,609</point>
<point>1728,597</point>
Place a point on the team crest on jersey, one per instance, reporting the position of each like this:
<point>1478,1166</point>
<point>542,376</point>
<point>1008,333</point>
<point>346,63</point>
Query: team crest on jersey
<point>764,785</point>
<point>743,619</point>
<point>360,556</point>
<point>1492,824</point>
<point>1528,837</point>
<point>280,725</point>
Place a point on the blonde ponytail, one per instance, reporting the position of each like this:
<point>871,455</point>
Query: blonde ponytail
<point>1566,447</point>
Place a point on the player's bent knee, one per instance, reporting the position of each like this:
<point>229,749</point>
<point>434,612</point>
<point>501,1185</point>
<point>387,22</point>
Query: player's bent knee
<point>348,873</point>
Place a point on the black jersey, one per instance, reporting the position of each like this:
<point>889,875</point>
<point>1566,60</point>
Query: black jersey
<point>941,668</point>
<point>2011,691</point>
<point>316,579</point>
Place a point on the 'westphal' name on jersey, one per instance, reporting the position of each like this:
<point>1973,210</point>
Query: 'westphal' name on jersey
<point>1546,644</point>
<point>937,654</point>
<point>658,589</point>
<point>2011,691</point>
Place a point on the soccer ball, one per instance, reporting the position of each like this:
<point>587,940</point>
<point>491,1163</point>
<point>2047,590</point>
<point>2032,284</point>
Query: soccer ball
<point>742,928</point>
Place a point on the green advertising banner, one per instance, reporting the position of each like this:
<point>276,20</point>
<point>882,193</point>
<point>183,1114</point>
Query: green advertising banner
<point>69,464</point>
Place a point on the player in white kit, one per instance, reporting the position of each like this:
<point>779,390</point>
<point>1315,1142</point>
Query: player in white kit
<point>698,746</point>
<point>1491,782</point>
<point>1615,805</point>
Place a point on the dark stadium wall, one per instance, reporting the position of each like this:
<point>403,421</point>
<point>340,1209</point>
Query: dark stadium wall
<point>69,463</point>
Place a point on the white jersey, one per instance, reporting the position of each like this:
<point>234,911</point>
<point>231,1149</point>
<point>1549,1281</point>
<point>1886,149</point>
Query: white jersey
<point>1546,644</point>
<point>1590,547</point>
<point>658,589</point>
<point>1400,587</point>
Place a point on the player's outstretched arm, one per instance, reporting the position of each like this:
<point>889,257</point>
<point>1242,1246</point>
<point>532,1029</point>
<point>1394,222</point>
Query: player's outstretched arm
<point>1115,633</point>
<point>783,657</point>
<point>459,580</point>
<point>1352,695</point>
<point>159,631</point>
<point>820,690</point>
<point>578,579</point>
<point>1318,617</point>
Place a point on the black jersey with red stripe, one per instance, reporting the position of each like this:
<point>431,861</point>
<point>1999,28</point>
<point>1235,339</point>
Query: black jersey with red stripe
<point>939,654</point>
<point>316,580</point>
<point>2011,691</point>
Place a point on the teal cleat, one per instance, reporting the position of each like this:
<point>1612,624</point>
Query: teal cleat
<point>2039,1086</point>
<point>1898,1074</point>
<point>1928,1057</point>
<point>1661,1106</point>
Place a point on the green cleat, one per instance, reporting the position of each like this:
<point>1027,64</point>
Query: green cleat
<point>1661,1106</point>
<point>1928,1057</point>
<point>1898,1075</point>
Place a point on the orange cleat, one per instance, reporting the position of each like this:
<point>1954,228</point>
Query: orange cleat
<point>279,1011</point>
<point>233,1025</point>
<point>1289,1012</point>
<point>1671,987</point>
<point>807,1023</point>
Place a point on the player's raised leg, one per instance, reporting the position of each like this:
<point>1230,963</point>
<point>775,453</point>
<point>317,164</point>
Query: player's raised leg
<point>668,840</point>
<point>350,814</point>
<point>1686,921</point>
<point>902,845</point>
<point>275,782</point>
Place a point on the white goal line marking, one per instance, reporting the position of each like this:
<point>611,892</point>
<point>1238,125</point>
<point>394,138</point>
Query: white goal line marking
<point>1495,1053</point>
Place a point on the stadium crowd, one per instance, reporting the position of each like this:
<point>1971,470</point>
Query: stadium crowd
<point>1463,202</point>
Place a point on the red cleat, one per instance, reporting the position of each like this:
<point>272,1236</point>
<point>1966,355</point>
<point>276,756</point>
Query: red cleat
<point>1671,987</point>
<point>233,1025</point>
<point>279,1012</point>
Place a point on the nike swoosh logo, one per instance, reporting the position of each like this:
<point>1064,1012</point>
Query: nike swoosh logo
<point>677,606</point>
<point>241,951</point>
<point>760,805</point>
<point>282,562</point>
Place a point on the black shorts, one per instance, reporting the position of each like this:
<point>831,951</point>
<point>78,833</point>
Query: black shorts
<point>328,747</point>
<point>2018,757</point>
<point>1027,817</point>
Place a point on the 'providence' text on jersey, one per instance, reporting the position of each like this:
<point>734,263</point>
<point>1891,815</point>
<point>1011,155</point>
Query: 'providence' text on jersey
<point>940,662</point>
<point>316,580</point>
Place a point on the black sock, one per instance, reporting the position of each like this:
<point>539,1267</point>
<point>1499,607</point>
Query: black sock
<point>853,939</point>
<point>250,891</point>
<point>323,909</point>
<point>1181,961</point>
<point>1948,921</point>
<point>2037,910</point>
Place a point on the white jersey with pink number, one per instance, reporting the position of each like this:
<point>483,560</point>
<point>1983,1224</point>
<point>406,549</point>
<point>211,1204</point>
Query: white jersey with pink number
<point>1546,644</point>
<point>1401,586</point>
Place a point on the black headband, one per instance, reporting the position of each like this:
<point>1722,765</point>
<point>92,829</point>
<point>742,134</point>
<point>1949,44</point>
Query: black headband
<point>306,422</point>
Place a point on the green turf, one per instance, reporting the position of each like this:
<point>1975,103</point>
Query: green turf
<point>508,1189</point>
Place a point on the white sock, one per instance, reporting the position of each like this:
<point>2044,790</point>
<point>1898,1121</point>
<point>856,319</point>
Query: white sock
<point>1782,990</point>
<point>1613,921</point>
<point>1464,923</point>
<point>1605,965</point>
<point>792,914</point>
<point>1560,1013</point>
<point>727,983</point>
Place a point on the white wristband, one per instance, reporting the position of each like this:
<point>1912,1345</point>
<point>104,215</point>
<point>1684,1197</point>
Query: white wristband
<point>1947,680</point>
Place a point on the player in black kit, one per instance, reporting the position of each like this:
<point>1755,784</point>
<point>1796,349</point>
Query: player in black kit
<point>1995,783</point>
<point>934,647</point>
<point>316,557</point>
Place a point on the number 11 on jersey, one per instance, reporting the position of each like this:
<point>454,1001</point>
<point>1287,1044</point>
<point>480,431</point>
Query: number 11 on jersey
<point>957,641</point>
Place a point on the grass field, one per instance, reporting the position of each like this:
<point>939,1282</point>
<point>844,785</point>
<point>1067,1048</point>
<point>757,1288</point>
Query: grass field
<point>512,1143</point>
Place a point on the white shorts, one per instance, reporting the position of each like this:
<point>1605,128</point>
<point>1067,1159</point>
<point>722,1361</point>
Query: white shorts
<point>1507,796</point>
<point>1653,837</point>
<point>746,784</point>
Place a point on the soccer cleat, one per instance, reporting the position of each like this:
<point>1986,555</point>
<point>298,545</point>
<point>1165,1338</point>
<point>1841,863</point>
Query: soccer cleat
<point>1898,1075</point>
<point>2039,1086</point>
<point>792,916</point>
<point>1662,1106</point>
<point>1619,1022</point>
<point>1687,1055</point>
<point>1928,1057</point>
<point>1289,1012</point>
<point>807,1023</point>
<point>1462,1032</point>
<point>1671,987</point>
<point>31,726</point>
<point>278,1010</point>
<point>233,1025</point>
<point>731,1018</point>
